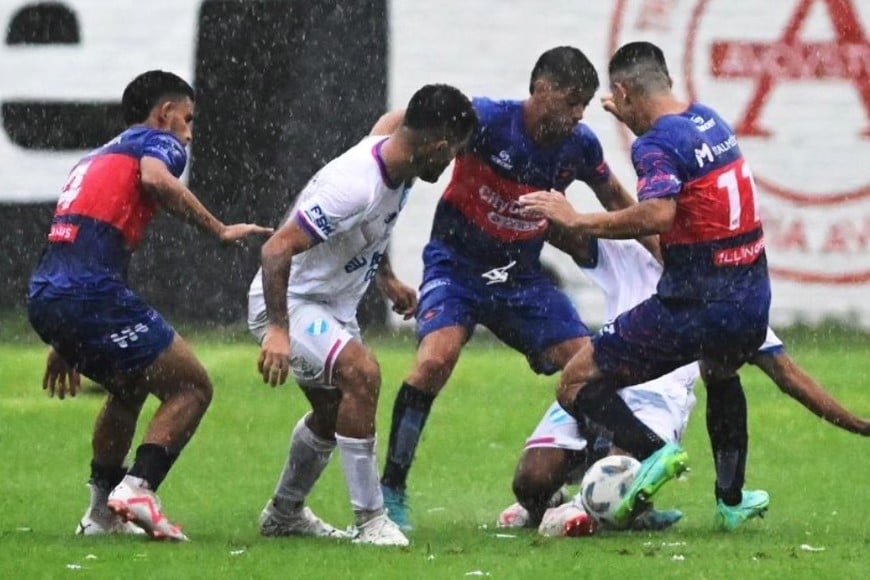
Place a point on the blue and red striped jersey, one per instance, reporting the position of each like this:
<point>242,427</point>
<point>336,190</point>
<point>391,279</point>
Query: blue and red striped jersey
<point>479,217</point>
<point>715,249</point>
<point>102,211</point>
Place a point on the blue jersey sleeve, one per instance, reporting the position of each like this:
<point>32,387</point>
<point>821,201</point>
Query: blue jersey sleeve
<point>167,149</point>
<point>657,172</point>
<point>594,167</point>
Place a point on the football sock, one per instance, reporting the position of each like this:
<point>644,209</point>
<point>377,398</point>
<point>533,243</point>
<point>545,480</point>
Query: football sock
<point>152,464</point>
<point>309,455</point>
<point>361,473</point>
<point>729,437</point>
<point>103,480</point>
<point>598,401</point>
<point>410,412</point>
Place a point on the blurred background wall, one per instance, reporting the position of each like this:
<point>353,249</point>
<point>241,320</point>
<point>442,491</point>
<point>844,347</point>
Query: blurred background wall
<point>285,85</point>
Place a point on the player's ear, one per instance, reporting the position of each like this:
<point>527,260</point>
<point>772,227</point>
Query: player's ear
<point>164,110</point>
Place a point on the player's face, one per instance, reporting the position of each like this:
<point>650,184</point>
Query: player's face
<point>563,109</point>
<point>431,160</point>
<point>176,117</point>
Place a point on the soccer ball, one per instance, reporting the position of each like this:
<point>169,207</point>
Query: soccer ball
<point>605,484</point>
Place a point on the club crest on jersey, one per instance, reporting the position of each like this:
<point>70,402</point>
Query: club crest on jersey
<point>318,327</point>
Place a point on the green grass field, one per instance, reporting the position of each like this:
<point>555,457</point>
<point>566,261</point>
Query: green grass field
<point>817,477</point>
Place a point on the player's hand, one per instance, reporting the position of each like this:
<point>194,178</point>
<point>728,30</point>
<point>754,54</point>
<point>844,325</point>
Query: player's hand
<point>610,107</point>
<point>60,379</point>
<point>548,204</point>
<point>238,232</point>
<point>403,297</point>
<point>274,363</point>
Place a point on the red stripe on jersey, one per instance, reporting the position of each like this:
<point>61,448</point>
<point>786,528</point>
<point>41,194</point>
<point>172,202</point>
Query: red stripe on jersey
<point>720,205</point>
<point>490,201</point>
<point>110,191</point>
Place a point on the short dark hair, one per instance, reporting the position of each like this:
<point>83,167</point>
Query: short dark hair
<point>566,67</point>
<point>640,65</point>
<point>441,108</point>
<point>146,91</point>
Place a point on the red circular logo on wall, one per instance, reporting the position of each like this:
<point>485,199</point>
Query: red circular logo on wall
<point>793,79</point>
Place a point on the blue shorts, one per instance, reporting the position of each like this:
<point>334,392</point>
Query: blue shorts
<point>529,317</point>
<point>105,334</point>
<point>660,335</point>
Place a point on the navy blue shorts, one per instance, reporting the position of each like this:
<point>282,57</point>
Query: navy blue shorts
<point>529,317</point>
<point>105,334</point>
<point>660,335</point>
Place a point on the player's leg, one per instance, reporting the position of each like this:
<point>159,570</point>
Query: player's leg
<point>540,475</point>
<point>444,323</point>
<point>311,446</point>
<point>646,342</point>
<point>113,436</point>
<point>358,376</point>
<point>182,385</point>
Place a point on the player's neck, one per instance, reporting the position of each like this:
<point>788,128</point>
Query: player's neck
<point>397,162</point>
<point>662,106</point>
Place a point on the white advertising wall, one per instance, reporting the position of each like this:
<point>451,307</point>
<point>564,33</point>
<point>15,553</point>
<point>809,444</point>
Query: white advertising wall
<point>792,76</point>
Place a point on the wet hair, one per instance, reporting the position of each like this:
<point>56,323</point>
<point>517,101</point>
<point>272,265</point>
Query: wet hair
<point>641,66</point>
<point>441,109</point>
<point>567,68</point>
<point>148,89</point>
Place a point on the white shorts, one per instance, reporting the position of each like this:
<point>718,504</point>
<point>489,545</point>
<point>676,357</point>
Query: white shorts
<point>316,338</point>
<point>663,404</point>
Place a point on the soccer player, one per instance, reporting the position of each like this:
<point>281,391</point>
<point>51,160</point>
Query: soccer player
<point>696,191</point>
<point>80,304</point>
<point>482,263</point>
<point>320,262</point>
<point>557,451</point>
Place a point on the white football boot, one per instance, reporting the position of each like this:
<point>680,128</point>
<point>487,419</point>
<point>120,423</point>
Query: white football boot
<point>514,516</point>
<point>567,520</point>
<point>142,507</point>
<point>275,524</point>
<point>380,531</point>
<point>96,523</point>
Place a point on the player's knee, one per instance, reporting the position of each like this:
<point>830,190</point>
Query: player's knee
<point>362,378</point>
<point>434,370</point>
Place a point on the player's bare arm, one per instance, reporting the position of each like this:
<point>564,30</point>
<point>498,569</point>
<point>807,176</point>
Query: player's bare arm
<point>402,296</point>
<point>797,384</point>
<point>60,378</point>
<point>613,196</point>
<point>578,246</point>
<point>276,256</point>
<point>647,218</point>
<point>175,198</point>
<point>388,123</point>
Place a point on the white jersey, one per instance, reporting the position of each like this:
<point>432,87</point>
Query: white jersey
<point>350,207</point>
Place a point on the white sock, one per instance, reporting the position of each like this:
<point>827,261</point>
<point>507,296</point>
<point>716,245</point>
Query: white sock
<point>361,473</point>
<point>309,455</point>
<point>134,481</point>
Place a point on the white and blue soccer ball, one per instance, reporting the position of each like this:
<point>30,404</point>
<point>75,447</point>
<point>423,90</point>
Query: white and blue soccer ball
<point>605,484</point>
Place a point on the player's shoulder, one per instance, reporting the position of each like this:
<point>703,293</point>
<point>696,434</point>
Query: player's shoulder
<point>491,111</point>
<point>355,173</point>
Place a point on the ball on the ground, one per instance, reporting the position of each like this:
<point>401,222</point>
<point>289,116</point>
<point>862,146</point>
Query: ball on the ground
<point>604,485</point>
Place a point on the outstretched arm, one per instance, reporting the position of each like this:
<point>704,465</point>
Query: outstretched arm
<point>797,384</point>
<point>177,199</point>
<point>613,196</point>
<point>646,218</point>
<point>276,256</point>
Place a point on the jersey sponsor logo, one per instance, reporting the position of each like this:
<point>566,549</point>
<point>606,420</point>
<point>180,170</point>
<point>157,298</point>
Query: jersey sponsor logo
<point>739,256</point>
<point>63,233</point>
<point>320,220</point>
<point>759,72</point>
<point>355,264</point>
<point>498,275</point>
<point>126,336</point>
<point>318,327</point>
<point>433,284</point>
<point>374,264</point>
